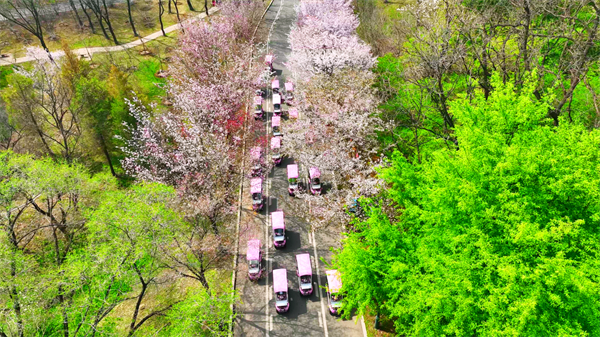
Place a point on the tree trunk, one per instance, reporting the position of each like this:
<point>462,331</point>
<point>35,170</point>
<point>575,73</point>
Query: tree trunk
<point>107,155</point>
<point>131,18</point>
<point>72,4</point>
<point>138,303</point>
<point>170,10</point>
<point>14,295</point>
<point>204,281</point>
<point>89,18</point>
<point>177,11</point>
<point>100,20</point>
<point>206,7</point>
<point>161,11</point>
<point>61,297</point>
<point>107,20</point>
<point>189,2</point>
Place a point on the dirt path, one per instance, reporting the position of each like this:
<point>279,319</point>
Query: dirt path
<point>88,52</point>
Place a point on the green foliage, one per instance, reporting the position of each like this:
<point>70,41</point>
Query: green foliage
<point>201,314</point>
<point>498,237</point>
<point>407,108</point>
<point>4,72</point>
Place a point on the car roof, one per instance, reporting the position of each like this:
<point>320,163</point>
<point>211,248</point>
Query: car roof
<point>334,281</point>
<point>277,219</point>
<point>253,252</point>
<point>280,280</point>
<point>304,267</point>
<point>276,121</point>
<point>314,172</point>
<point>256,185</point>
<point>276,99</point>
<point>275,142</point>
<point>292,171</point>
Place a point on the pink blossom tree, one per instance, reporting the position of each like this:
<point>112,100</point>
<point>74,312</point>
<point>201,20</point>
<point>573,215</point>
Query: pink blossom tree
<point>336,128</point>
<point>195,146</point>
<point>324,40</point>
<point>335,132</point>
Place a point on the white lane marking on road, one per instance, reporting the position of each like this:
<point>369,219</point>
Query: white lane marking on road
<point>320,321</point>
<point>309,238</point>
<point>268,321</point>
<point>324,317</point>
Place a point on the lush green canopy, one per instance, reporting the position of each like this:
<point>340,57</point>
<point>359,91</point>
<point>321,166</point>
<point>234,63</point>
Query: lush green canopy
<point>499,237</point>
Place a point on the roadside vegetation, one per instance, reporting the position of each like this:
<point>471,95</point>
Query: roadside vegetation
<point>91,243</point>
<point>485,224</point>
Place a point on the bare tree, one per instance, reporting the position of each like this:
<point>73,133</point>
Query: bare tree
<point>27,14</point>
<point>100,10</point>
<point>41,102</point>
<point>434,52</point>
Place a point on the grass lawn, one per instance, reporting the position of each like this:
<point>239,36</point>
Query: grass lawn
<point>145,17</point>
<point>390,8</point>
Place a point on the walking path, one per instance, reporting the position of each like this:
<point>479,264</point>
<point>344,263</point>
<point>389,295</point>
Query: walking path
<point>88,52</point>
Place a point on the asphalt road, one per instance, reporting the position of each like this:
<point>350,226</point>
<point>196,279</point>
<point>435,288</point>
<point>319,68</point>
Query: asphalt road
<point>308,316</point>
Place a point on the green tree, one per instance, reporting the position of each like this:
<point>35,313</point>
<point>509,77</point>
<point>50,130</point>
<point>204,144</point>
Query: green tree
<point>498,237</point>
<point>43,205</point>
<point>125,233</point>
<point>201,314</point>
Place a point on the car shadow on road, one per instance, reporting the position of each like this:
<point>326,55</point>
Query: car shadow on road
<point>273,205</point>
<point>292,242</point>
<point>297,304</point>
<point>325,188</point>
<point>285,162</point>
<point>277,72</point>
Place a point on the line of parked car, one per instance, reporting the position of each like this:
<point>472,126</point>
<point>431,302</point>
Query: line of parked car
<point>254,252</point>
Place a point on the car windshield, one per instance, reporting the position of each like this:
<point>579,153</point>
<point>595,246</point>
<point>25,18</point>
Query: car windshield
<point>305,279</point>
<point>275,129</point>
<point>316,181</point>
<point>336,297</point>
<point>281,296</point>
<point>256,196</point>
<point>253,264</point>
<point>277,106</point>
<point>279,232</point>
<point>257,107</point>
<point>292,181</point>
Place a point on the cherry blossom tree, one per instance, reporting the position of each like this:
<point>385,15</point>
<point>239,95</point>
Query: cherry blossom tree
<point>336,128</point>
<point>195,146</point>
<point>335,132</point>
<point>324,40</point>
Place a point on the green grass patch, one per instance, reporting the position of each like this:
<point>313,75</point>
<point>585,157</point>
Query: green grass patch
<point>4,72</point>
<point>144,76</point>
